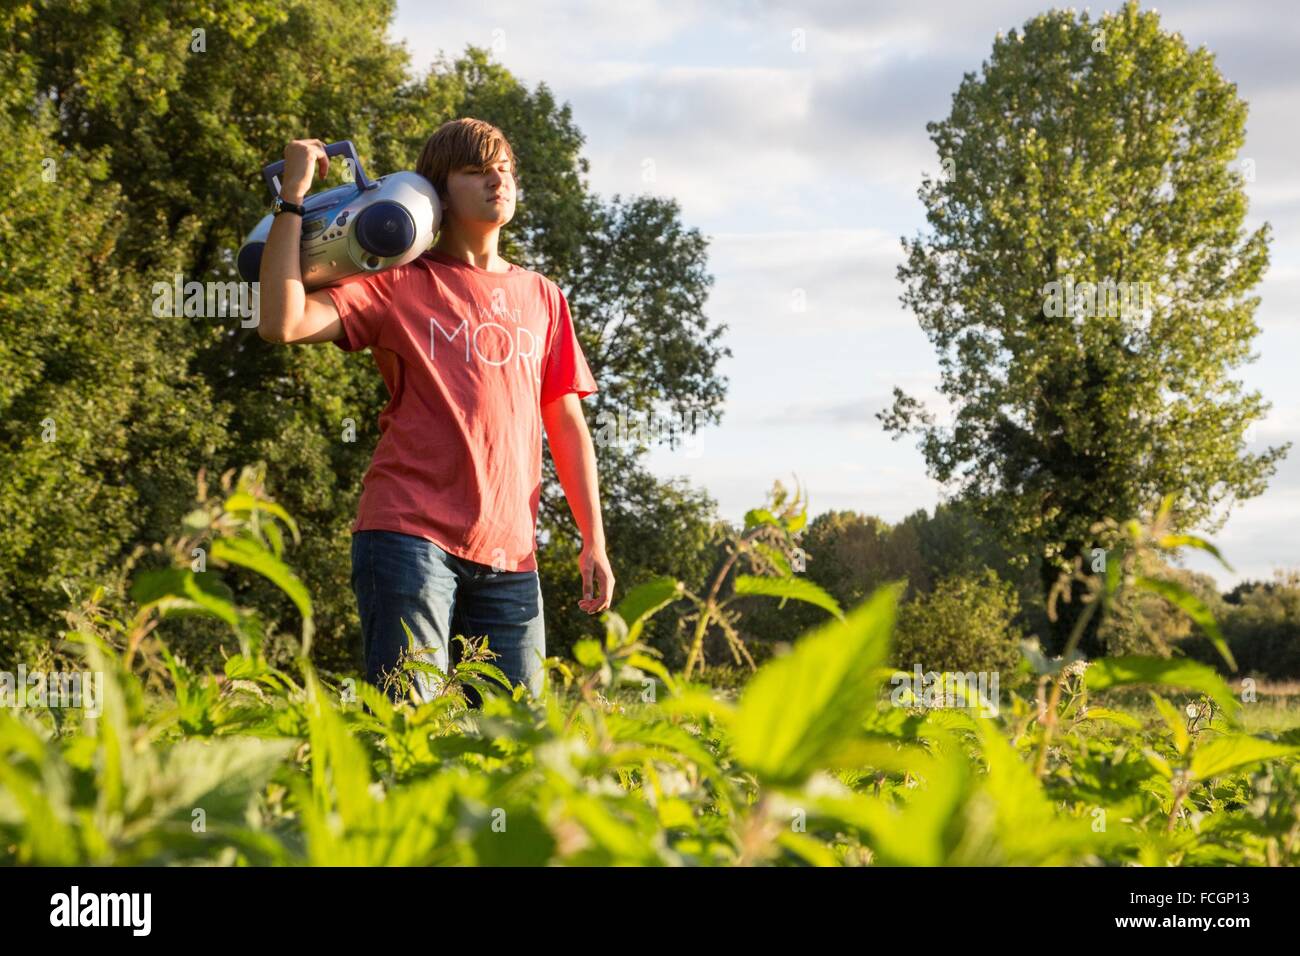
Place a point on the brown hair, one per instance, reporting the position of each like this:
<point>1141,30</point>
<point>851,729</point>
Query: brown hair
<point>461,142</point>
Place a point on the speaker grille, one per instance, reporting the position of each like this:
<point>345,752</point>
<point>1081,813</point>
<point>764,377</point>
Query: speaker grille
<point>249,262</point>
<point>385,229</point>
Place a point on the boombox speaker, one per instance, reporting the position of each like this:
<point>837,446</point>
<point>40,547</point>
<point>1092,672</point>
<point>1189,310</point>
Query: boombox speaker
<point>362,226</point>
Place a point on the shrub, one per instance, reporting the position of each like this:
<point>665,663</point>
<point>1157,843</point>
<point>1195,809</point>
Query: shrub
<point>964,624</point>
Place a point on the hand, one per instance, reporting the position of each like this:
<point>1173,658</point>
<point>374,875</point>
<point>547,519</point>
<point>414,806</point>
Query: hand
<point>594,563</point>
<point>302,157</point>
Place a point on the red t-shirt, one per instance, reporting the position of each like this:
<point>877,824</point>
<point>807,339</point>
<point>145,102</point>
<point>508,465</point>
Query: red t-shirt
<point>469,357</point>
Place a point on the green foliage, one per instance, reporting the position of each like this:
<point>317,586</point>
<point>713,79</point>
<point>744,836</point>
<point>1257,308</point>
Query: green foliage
<point>1262,629</point>
<point>97,416</point>
<point>1090,151</point>
<point>618,761</point>
<point>803,707</point>
<point>767,544</point>
<point>964,624</point>
<point>1068,159</point>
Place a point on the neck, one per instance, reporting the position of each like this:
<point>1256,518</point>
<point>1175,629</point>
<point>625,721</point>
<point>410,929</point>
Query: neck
<point>478,249</point>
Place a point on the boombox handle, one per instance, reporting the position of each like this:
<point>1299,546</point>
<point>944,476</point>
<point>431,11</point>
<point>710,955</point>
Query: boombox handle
<point>344,147</point>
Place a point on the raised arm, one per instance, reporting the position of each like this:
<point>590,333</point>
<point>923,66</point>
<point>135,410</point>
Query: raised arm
<point>287,312</point>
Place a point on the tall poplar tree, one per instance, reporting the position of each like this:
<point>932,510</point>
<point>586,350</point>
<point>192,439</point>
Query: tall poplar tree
<point>1089,159</point>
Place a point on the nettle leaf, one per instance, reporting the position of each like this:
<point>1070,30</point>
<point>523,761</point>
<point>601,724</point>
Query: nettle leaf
<point>1116,716</point>
<point>797,709</point>
<point>1111,672</point>
<point>645,663</point>
<point>640,604</point>
<point>1172,542</point>
<point>775,557</point>
<point>178,590</point>
<point>1194,608</point>
<point>251,555</point>
<point>1175,721</point>
<point>670,738</point>
<point>800,589</point>
<point>919,832</point>
<point>588,653</point>
<point>1029,831</point>
<point>487,670</point>
<point>219,775</point>
<point>1235,752</point>
<point>245,504</point>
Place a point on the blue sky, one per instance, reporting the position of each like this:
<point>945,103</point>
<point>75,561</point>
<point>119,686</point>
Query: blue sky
<point>793,136</point>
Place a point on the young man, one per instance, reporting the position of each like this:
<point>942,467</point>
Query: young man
<point>478,354</point>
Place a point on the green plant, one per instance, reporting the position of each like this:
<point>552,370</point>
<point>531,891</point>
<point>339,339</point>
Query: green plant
<point>767,541</point>
<point>620,761</point>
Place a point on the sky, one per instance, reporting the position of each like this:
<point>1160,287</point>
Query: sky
<point>793,137</point>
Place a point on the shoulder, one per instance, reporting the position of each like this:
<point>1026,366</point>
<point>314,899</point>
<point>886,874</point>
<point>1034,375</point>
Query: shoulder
<point>391,279</point>
<point>538,286</point>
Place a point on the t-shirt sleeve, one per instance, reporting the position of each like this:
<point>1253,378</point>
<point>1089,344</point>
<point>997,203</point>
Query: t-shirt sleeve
<point>362,303</point>
<point>565,368</point>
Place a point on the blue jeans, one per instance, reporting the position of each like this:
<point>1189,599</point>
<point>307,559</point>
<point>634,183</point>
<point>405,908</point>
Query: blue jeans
<point>399,577</point>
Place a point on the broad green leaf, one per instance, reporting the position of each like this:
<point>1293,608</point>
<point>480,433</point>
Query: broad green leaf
<point>588,653</point>
<point>220,775</point>
<point>1129,671</point>
<point>798,708</point>
<point>251,555</point>
<point>179,589</point>
<point>811,851</point>
<point>1233,752</point>
<point>1174,720</point>
<point>699,703</point>
<point>1194,608</point>
<point>656,667</point>
<point>916,834</point>
<point>1115,716</point>
<point>1171,542</point>
<point>639,604</point>
<point>243,502</point>
<point>490,671</point>
<point>800,589</point>
<point>1029,832</point>
<point>775,556</point>
<point>663,735</point>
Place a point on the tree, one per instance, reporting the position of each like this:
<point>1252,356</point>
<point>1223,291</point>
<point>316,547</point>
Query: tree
<point>849,555</point>
<point>1086,282</point>
<point>97,418</point>
<point>1262,627</point>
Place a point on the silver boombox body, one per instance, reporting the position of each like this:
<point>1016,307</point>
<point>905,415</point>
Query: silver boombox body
<point>360,227</point>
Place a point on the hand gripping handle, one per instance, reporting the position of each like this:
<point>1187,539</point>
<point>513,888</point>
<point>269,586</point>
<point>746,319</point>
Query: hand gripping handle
<point>273,172</point>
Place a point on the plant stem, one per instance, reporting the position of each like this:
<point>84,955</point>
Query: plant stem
<point>1049,722</point>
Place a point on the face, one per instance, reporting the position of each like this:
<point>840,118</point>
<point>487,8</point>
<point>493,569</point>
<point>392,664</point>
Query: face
<point>484,194</point>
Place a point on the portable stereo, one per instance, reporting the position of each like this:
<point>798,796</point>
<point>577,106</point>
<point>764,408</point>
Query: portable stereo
<point>362,226</point>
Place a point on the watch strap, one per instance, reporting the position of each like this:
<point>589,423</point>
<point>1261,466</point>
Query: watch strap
<point>283,205</point>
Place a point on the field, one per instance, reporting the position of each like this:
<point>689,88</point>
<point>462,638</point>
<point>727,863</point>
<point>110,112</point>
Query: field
<point>814,760</point>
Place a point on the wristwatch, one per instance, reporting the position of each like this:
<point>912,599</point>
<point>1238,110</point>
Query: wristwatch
<point>283,205</point>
